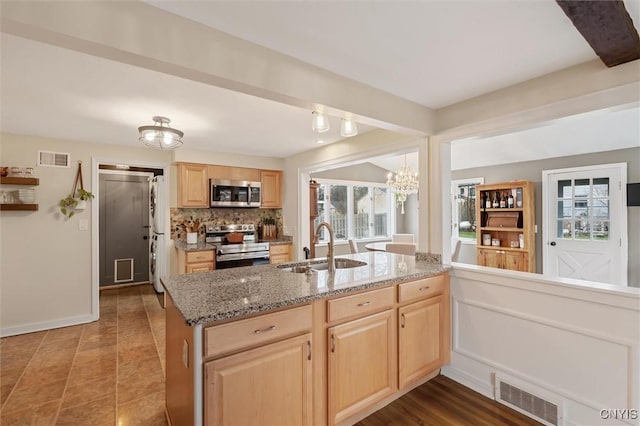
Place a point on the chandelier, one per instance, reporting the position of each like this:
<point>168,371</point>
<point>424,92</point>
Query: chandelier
<point>160,135</point>
<point>404,183</point>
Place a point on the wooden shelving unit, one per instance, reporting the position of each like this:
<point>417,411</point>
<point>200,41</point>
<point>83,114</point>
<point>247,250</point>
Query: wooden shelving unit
<point>508,225</point>
<point>13,180</point>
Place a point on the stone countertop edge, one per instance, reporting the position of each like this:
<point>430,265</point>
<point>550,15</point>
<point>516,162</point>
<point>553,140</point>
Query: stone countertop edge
<point>209,297</point>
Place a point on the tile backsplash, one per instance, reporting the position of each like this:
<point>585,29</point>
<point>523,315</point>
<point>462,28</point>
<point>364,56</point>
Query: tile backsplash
<point>220,216</point>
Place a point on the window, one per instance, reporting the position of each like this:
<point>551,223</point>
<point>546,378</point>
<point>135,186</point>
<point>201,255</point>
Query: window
<point>463,208</point>
<point>355,210</point>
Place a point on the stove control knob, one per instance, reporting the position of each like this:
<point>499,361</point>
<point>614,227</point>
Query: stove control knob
<point>216,228</point>
<point>244,227</point>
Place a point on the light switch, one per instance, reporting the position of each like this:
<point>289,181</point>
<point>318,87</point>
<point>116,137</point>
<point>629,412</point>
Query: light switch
<point>83,224</point>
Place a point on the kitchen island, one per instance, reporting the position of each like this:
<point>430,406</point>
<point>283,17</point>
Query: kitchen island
<point>264,344</point>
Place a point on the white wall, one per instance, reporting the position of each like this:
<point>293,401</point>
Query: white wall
<point>574,342</point>
<point>227,159</point>
<point>45,260</point>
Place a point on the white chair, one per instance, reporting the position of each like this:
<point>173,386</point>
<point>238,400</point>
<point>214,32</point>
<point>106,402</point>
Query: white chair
<point>401,248</point>
<point>402,238</point>
<point>353,246</point>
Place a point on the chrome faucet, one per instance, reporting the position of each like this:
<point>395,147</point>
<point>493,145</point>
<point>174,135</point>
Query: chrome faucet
<point>331,267</point>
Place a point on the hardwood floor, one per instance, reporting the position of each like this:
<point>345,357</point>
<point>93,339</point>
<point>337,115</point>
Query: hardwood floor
<point>440,402</point>
<point>112,372</point>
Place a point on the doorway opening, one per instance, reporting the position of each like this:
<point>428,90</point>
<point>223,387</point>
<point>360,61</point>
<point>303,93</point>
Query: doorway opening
<point>124,238</point>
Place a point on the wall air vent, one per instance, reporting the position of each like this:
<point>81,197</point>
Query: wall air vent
<point>53,159</point>
<point>529,402</point>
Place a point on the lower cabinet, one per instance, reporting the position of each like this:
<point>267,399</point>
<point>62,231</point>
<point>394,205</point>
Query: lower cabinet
<point>503,259</point>
<point>280,253</point>
<point>361,364</point>
<point>196,261</point>
<point>420,348</point>
<point>270,385</point>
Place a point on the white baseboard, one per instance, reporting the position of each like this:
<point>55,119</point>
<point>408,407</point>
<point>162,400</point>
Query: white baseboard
<point>469,381</point>
<point>47,325</point>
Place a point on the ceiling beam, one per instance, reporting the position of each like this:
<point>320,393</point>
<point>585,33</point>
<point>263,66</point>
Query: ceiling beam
<point>607,27</point>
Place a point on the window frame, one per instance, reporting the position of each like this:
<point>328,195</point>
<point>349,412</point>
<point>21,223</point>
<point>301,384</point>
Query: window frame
<point>350,184</point>
<point>455,190</point>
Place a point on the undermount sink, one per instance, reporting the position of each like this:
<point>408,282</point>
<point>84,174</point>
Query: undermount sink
<point>340,264</point>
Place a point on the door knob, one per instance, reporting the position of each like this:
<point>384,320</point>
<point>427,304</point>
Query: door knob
<point>553,243</point>
<point>145,237</point>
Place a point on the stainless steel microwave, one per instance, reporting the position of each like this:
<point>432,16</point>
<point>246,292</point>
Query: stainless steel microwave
<point>234,193</point>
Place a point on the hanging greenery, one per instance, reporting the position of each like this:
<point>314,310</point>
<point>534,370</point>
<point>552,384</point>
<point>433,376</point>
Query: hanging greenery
<point>77,199</point>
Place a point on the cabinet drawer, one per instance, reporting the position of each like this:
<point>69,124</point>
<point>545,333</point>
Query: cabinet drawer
<point>359,304</point>
<point>279,249</point>
<point>200,256</point>
<point>250,332</point>
<point>421,289</point>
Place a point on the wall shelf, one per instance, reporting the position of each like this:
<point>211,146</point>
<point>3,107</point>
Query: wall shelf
<point>19,181</point>
<point>18,207</point>
<point>14,180</point>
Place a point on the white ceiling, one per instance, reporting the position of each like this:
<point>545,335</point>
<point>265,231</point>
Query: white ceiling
<point>432,52</point>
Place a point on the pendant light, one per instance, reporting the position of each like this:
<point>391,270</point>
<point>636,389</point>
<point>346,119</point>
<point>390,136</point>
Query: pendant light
<point>160,135</point>
<point>348,128</point>
<point>319,122</point>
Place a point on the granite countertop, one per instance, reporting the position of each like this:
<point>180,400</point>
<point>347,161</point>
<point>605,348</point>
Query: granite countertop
<point>277,242</point>
<point>207,297</point>
<point>199,246</point>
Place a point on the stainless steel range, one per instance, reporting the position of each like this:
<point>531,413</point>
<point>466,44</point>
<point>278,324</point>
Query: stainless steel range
<point>229,254</point>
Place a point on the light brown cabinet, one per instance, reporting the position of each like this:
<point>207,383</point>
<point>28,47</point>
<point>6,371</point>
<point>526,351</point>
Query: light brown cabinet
<point>193,185</point>
<point>263,372</point>
<point>271,189</point>
<point>506,231</point>
<point>234,173</point>
<point>196,261</point>
<point>269,385</point>
<point>503,259</point>
<point>361,364</point>
<point>423,328</point>
<point>280,253</point>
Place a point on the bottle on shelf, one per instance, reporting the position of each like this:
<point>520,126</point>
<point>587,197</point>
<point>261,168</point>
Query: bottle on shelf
<point>503,201</point>
<point>496,200</point>
<point>487,200</point>
<point>510,200</point>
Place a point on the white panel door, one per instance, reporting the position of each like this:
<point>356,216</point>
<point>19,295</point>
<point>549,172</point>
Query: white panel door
<point>585,224</point>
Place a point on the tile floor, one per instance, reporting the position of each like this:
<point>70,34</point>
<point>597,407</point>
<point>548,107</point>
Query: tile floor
<point>109,372</point>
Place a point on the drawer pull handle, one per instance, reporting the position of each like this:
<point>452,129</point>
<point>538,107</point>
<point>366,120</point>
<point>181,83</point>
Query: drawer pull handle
<point>402,320</point>
<point>367,303</point>
<point>426,287</point>
<point>333,344</point>
<point>264,330</point>
<point>309,347</point>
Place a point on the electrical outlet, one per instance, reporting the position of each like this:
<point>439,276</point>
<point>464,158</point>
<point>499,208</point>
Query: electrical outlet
<point>185,353</point>
<point>535,229</point>
<point>83,225</point>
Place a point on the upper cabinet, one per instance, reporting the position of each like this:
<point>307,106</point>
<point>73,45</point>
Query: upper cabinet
<point>234,173</point>
<point>193,185</point>
<point>271,189</point>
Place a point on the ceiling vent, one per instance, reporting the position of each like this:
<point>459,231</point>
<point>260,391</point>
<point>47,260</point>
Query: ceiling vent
<point>530,402</point>
<point>53,159</point>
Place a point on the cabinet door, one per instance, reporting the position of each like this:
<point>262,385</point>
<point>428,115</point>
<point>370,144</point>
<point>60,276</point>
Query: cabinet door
<point>193,185</point>
<point>420,340</point>
<point>270,191</point>
<point>515,260</point>
<point>279,258</point>
<point>270,385</point>
<point>362,364</point>
<point>492,258</point>
<point>200,267</point>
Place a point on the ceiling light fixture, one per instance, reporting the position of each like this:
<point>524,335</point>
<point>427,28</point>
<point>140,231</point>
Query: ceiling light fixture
<point>348,128</point>
<point>160,135</point>
<point>405,183</point>
<point>319,122</point>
